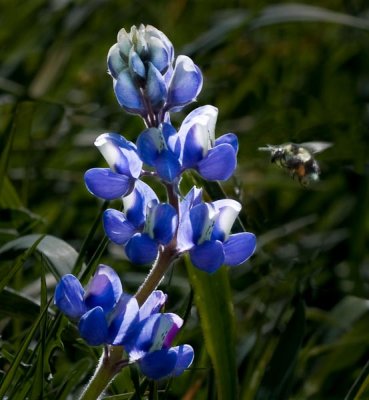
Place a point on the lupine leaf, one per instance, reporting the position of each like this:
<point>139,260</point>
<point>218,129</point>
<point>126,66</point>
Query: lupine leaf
<point>9,270</point>
<point>60,255</point>
<point>18,305</point>
<point>214,303</point>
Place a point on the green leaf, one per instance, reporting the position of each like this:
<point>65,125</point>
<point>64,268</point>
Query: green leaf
<point>8,195</point>
<point>17,305</point>
<point>78,372</point>
<point>61,256</point>
<point>275,382</point>
<point>22,122</point>
<point>360,385</point>
<point>38,377</point>
<point>281,13</point>
<point>214,303</point>
<point>6,383</point>
<point>9,270</point>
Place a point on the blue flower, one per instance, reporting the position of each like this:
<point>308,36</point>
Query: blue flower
<point>150,347</point>
<point>204,231</point>
<point>160,148</point>
<point>138,63</point>
<point>125,168</point>
<point>144,79</point>
<point>143,227</point>
<point>184,85</point>
<point>104,313</point>
<point>214,159</point>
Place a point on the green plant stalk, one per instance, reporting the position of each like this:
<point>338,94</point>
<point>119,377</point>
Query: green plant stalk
<point>109,365</point>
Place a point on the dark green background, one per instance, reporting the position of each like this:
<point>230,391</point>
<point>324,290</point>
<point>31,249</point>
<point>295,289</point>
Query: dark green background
<point>278,72</point>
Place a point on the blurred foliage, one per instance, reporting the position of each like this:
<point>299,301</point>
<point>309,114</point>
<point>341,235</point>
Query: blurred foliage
<point>278,72</point>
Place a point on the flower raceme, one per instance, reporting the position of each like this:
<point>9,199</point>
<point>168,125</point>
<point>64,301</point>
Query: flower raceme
<point>106,315</point>
<point>144,78</point>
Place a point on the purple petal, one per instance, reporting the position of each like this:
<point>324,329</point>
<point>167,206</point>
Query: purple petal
<point>229,138</point>
<point>192,198</point>
<point>185,233</point>
<point>171,138</point>
<point>148,146</point>
<point>116,226</point>
<point>153,333</point>
<point>165,363</point>
<point>141,249</point>
<point>239,248</point>
<point>219,164</point>
<point>115,62</point>
<point>136,65</point>
<point>158,364</point>
<point>153,304</point>
<point>128,94</point>
<point>69,296</point>
<point>135,204</point>
<point>156,89</point>
<point>120,154</point>
<point>194,145</point>
<point>201,220</point>
<point>165,223</point>
<point>167,166</point>
<point>208,256</point>
<point>106,184</point>
<point>104,289</point>
<point>228,211</point>
<point>161,52</point>
<point>93,327</point>
<point>185,355</point>
<point>124,318</point>
<point>186,83</point>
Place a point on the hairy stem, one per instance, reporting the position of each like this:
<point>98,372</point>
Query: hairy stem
<point>109,365</point>
<point>158,270</point>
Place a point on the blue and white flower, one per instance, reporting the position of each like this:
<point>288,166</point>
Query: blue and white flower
<point>145,224</point>
<point>105,314</point>
<point>160,148</point>
<point>214,159</point>
<point>151,347</point>
<point>204,231</point>
<point>125,168</point>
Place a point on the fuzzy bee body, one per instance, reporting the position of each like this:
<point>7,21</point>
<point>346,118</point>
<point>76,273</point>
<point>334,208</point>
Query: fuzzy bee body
<point>298,159</point>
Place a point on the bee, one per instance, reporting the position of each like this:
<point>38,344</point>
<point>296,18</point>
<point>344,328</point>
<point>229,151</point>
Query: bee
<point>298,159</point>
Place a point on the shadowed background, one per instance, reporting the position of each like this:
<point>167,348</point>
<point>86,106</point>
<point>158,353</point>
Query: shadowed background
<point>278,72</point>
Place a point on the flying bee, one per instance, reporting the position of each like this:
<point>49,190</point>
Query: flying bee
<point>298,159</point>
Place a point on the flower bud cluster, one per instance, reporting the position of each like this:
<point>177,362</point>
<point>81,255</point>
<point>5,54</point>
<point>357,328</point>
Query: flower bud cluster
<point>147,80</point>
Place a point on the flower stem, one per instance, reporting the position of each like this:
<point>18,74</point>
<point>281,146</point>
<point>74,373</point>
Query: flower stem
<point>109,365</point>
<point>158,270</point>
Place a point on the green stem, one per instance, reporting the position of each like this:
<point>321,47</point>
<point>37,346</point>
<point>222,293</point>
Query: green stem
<point>109,365</point>
<point>158,270</point>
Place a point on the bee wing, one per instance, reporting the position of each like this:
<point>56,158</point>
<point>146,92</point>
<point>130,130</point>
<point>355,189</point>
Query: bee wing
<point>316,147</point>
<point>268,147</point>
